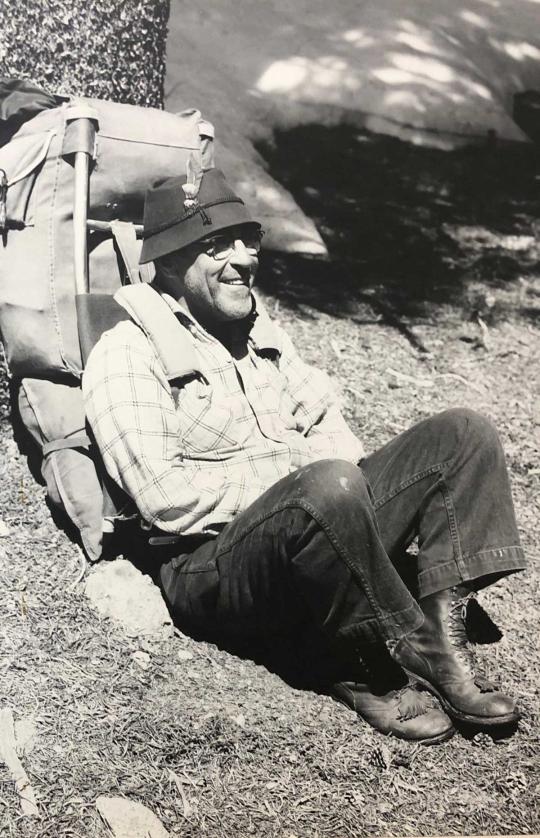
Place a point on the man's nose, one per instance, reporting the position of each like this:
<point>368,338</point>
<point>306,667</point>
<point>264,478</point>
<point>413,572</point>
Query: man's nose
<point>240,255</point>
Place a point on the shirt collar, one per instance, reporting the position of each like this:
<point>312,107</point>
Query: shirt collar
<point>262,334</point>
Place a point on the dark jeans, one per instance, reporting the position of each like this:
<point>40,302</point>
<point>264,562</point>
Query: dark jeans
<point>322,550</point>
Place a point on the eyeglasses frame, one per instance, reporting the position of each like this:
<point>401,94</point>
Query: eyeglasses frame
<point>207,246</point>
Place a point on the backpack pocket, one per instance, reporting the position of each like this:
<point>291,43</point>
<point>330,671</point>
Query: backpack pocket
<point>21,159</point>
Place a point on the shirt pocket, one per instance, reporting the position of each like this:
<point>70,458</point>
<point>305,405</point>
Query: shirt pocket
<point>206,420</point>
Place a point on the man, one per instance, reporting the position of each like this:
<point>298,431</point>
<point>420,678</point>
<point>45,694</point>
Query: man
<point>282,536</point>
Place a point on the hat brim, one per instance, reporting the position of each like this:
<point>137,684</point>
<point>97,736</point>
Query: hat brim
<point>189,231</point>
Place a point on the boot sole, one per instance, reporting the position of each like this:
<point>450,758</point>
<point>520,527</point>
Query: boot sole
<point>433,740</point>
<point>479,721</point>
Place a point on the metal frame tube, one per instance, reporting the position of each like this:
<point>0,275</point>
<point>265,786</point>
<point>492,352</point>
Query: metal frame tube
<point>79,142</point>
<point>80,216</point>
<point>105,227</point>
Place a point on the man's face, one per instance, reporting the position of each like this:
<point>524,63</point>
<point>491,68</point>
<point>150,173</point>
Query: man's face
<point>217,275</point>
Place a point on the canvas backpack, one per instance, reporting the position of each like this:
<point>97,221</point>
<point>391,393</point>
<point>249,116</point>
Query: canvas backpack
<point>130,148</point>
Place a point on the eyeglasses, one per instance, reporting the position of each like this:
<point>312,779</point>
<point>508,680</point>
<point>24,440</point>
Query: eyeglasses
<point>222,245</point>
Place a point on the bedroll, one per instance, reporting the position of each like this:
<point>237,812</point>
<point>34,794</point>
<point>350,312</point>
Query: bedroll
<point>127,149</point>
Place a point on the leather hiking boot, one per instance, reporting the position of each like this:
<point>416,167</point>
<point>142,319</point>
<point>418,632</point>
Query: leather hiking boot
<point>404,713</point>
<point>437,655</point>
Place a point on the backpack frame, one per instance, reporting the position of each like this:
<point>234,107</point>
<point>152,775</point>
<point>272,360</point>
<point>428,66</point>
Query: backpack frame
<point>50,404</point>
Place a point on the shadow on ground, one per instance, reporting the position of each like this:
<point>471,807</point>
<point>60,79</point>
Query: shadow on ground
<point>406,226</point>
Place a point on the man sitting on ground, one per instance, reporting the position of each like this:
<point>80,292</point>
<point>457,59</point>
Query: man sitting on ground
<point>286,529</point>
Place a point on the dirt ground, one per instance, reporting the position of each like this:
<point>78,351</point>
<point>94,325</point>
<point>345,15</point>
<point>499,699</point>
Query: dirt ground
<point>431,300</point>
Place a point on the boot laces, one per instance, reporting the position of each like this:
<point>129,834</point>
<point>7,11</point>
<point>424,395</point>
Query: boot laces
<point>457,631</point>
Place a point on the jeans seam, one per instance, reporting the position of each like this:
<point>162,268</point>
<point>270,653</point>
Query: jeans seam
<point>431,574</point>
<point>431,571</point>
<point>409,482</point>
<point>452,525</point>
<point>493,550</point>
<point>343,553</point>
<point>471,557</point>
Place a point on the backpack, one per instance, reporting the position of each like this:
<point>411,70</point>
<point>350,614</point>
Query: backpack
<point>72,184</point>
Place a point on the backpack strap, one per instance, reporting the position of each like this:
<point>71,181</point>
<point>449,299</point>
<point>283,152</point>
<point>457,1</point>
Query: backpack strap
<point>77,441</point>
<point>125,238</point>
<point>158,321</point>
<point>96,313</point>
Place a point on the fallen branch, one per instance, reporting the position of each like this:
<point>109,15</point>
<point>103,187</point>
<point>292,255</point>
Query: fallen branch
<point>8,754</point>
<point>408,379</point>
<point>485,339</point>
<point>82,567</point>
<point>392,318</point>
<point>188,808</point>
<point>463,380</point>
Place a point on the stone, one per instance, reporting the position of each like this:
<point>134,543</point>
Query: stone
<point>142,659</point>
<point>129,819</point>
<point>118,590</point>
<point>184,655</point>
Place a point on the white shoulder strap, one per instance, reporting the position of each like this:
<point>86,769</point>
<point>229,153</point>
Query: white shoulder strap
<point>126,239</point>
<point>157,320</point>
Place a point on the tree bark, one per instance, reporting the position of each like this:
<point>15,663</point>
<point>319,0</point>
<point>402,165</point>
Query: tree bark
<point>106,49</point>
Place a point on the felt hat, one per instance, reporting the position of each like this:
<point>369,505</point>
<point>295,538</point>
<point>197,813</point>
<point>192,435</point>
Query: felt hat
<point>177,214</point>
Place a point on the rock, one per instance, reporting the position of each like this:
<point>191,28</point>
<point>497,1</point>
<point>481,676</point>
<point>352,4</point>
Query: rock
<point>4,529</point>
<point>120,591</point>
<point>129,819</point>
<point>142,659</point>
<point>184,655</point>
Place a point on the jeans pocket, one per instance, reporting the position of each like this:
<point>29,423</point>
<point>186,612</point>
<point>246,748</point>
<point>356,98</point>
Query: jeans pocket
<point>190,583</point>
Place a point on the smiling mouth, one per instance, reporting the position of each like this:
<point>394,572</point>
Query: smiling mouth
<point>238,282</point>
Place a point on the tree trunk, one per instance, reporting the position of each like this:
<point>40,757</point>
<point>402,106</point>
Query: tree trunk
<point>106,49</point>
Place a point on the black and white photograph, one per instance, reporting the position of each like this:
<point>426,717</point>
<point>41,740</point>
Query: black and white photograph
<point>269,418</point>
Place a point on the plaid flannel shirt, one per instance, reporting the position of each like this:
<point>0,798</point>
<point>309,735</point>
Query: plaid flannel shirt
<point>193,463</point>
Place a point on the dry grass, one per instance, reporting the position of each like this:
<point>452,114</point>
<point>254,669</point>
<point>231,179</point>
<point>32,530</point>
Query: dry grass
<point>218,746</point>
